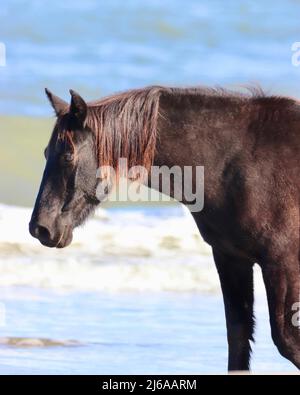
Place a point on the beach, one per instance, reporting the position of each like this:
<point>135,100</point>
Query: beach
<point>137,291</point>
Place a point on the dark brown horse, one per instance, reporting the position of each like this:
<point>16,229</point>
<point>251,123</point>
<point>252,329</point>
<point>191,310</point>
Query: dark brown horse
<point>250,148</point>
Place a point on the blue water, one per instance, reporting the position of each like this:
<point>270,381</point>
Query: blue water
<point>99,47</point>
<point>112,305</point>
<point>125,334</point>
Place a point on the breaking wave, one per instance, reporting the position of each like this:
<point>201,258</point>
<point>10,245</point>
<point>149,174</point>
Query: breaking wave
<point>155,249</point>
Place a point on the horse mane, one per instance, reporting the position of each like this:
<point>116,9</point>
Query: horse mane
<point>125,126</point>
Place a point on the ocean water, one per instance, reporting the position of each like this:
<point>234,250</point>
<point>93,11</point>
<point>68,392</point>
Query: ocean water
<point>99,47</point>
<point>137,291</point>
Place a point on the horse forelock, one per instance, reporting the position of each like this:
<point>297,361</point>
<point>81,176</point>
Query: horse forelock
<point>125,126</point>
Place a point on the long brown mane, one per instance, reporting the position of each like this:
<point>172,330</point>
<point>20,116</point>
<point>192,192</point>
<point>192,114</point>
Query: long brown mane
<point>125,125</point>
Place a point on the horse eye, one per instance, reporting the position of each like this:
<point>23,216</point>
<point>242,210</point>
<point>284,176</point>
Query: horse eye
<point>68,157</point>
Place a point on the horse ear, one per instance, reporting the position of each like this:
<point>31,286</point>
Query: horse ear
<point>78,106</point>
<point>58,104</point>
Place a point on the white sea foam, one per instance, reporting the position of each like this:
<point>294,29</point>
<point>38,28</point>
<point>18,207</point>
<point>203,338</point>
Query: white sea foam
<point>123,250</point>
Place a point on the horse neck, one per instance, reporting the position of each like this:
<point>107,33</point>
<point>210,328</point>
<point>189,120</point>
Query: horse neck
<point>198,130</point>
<point>195,129</point>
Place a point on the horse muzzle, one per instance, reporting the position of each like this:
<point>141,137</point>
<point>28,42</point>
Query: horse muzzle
<point>51,236</point>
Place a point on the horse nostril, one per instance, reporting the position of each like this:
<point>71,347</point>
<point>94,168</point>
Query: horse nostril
<point>42,232</point>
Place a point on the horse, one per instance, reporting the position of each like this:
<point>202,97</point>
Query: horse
<point>249,145</point>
